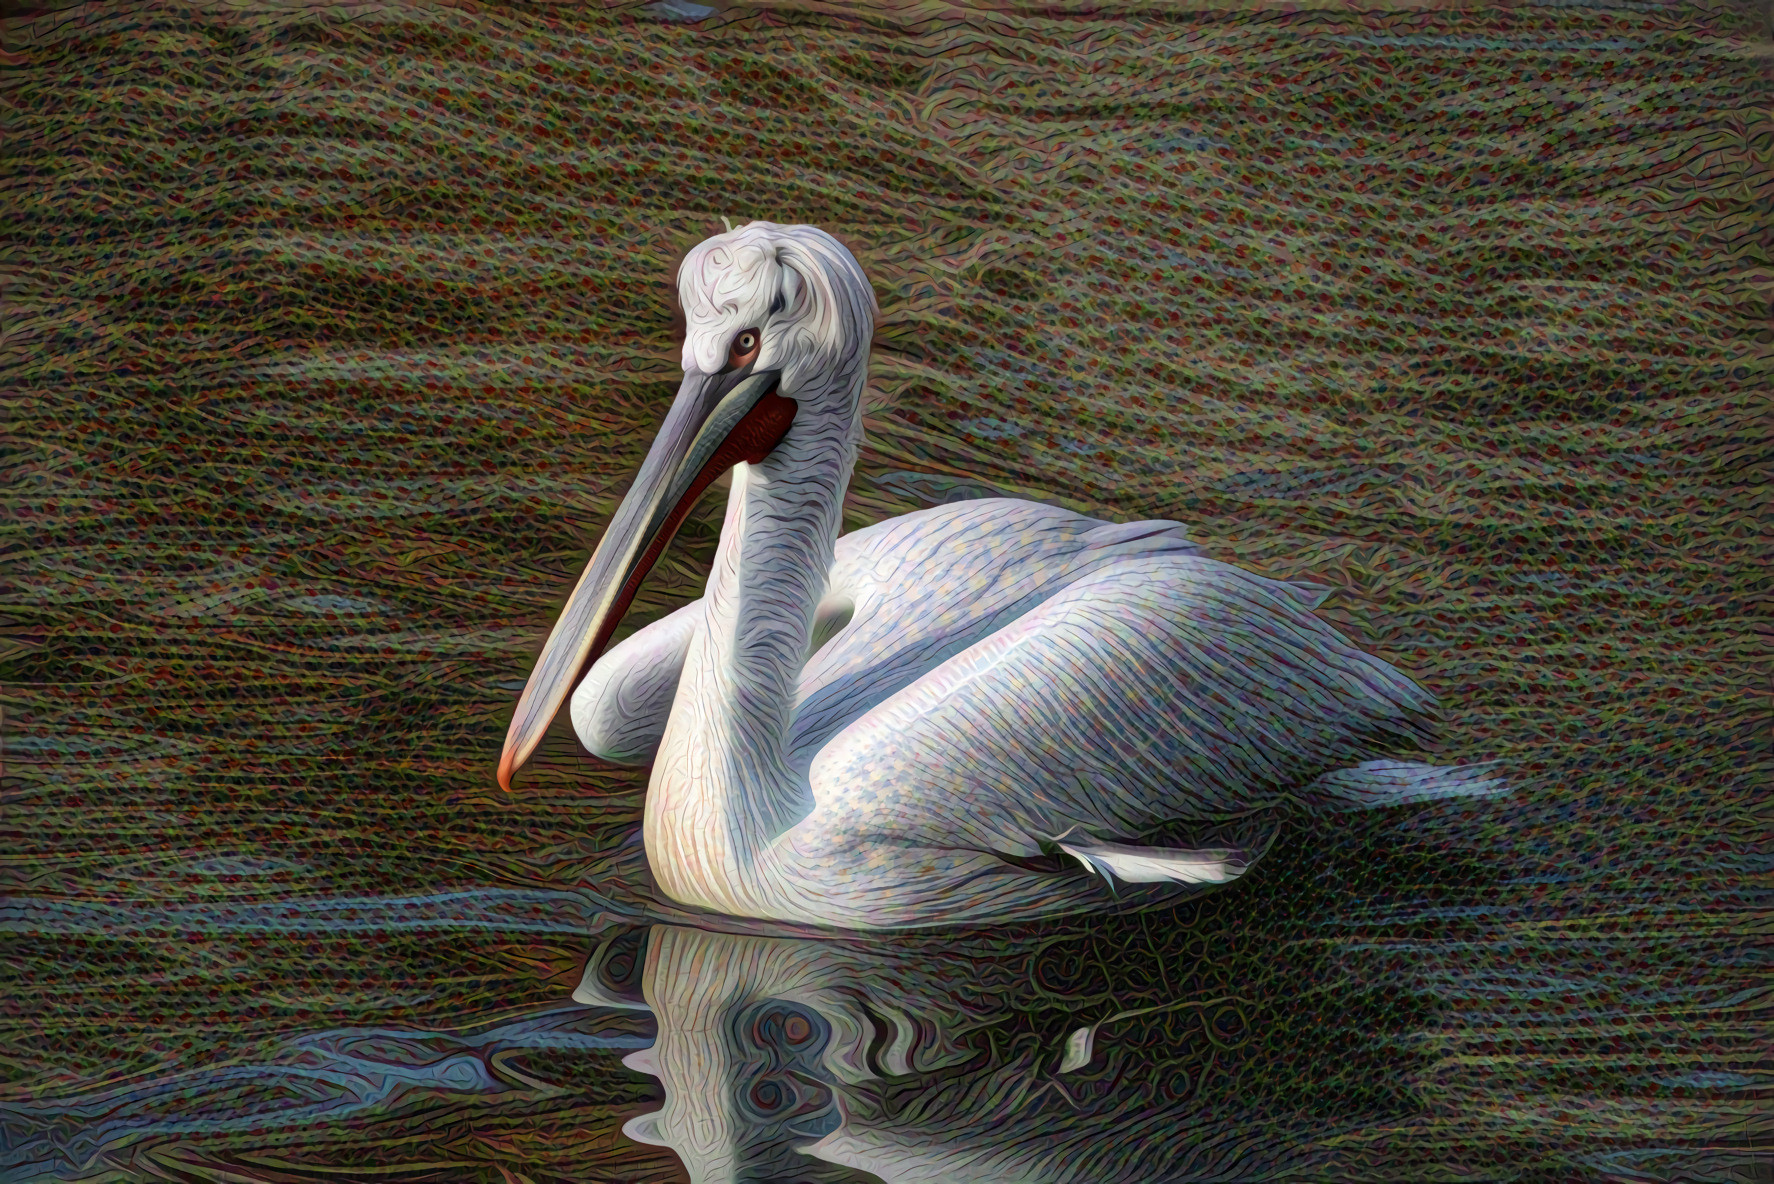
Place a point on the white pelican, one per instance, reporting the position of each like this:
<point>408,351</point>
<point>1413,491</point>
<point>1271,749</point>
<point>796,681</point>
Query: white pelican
<point>909,726</point>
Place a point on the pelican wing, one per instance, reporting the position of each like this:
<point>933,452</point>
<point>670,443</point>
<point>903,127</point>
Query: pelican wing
<point>1149,690</point>
<point>619,711</point>
<point>904,596</point>
<point>927,585</point>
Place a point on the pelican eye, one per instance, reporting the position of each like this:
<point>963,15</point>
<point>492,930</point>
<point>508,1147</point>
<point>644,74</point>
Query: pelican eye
<point>744,348</point>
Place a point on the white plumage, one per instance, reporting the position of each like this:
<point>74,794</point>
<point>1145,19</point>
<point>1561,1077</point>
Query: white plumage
<point>905,726</point>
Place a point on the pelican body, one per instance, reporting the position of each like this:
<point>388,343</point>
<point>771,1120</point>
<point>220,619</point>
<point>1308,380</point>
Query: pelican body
<point>972,714</point>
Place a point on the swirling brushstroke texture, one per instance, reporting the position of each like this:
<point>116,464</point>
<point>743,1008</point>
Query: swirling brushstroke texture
<point>333,333</point>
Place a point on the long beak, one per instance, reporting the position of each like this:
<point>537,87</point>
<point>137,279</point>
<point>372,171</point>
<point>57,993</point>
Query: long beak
<point>716,421</point>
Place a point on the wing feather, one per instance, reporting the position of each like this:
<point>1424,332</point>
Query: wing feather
<point>904,595</point>
<point>1147,691</point>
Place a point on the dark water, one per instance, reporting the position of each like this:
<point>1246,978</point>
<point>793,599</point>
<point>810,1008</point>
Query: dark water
<point>332,335</point>
<point>1361,1005</point>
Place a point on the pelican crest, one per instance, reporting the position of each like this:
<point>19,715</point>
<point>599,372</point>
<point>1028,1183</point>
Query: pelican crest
<point>981,712</point>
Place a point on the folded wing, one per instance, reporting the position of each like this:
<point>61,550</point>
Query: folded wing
<point>904,596</point>
<point>1148,691</point>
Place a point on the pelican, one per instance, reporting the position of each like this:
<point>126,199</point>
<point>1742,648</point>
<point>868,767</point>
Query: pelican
<point>977,713</point>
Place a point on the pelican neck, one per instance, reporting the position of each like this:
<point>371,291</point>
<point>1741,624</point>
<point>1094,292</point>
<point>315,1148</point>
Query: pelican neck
<point>723,786</point>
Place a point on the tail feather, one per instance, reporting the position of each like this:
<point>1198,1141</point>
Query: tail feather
<point>1375,784</point>
<point>1121,863</point>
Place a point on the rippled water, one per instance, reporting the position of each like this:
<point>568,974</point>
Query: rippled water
<point>333,336</point>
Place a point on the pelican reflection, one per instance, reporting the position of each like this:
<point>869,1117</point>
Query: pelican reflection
<point>1117,1053</point>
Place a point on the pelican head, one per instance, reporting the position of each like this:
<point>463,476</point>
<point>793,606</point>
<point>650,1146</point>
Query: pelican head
<point>775,360</point>
<point>802,298</point>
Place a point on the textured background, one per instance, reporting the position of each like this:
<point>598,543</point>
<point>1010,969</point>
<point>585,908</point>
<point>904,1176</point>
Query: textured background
<point>333,334</point>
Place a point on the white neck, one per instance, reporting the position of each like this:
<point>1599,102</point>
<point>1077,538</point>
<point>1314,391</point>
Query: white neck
<point>722,787</point>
